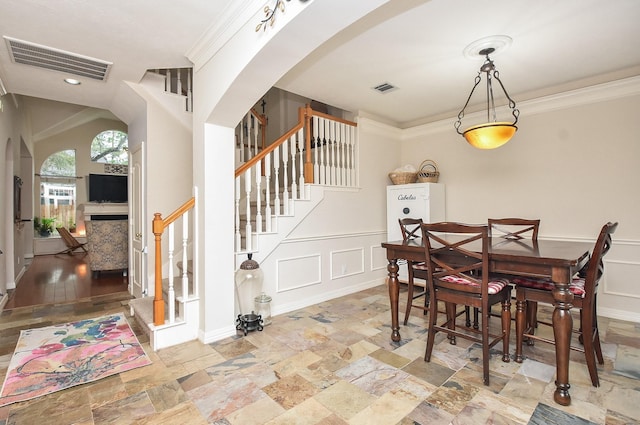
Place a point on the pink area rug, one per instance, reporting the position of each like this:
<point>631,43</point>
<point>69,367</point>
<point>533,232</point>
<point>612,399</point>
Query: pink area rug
<point>56,357</point>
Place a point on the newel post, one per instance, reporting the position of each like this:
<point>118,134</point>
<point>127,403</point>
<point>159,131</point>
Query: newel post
<point>306,114</point>
<point>158,303</point>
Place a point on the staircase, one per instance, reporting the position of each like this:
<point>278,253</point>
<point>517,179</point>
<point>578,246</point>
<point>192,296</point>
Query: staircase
<point>172,315</point>
<point>279,184</point>
<point>276,187</point>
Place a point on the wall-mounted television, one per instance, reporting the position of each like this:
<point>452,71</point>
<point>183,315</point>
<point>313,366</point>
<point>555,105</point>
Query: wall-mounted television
<point>108,188</point>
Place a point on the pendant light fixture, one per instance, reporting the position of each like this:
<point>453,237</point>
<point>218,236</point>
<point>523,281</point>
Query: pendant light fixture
<point>493,133</point>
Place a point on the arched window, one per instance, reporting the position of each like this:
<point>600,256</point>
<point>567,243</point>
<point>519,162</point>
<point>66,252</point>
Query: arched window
<point>58,189</point>
<point>110,147</point>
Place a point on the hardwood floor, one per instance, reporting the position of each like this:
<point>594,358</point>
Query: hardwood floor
<point>62,278</point>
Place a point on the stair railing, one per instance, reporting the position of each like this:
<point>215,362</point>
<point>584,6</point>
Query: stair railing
<point>179,81</point>
<point>250,136</point>
<point>319,149</point>
<point>187,212</point>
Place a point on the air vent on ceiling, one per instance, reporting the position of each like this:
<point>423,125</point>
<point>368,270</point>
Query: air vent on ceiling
<point>384,88</point>
<point>57,60</point>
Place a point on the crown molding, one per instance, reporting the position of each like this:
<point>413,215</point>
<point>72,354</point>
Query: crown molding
<point>594,94</point>
<point>231,20</point>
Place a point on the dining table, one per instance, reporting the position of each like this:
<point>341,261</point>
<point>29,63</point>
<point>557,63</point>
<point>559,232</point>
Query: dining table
<point>558,260</point>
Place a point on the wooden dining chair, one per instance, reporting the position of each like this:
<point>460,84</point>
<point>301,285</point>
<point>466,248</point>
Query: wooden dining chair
<point>514,229</point>
<point>72,243</point>
<point>584,288</point>
<point>410,228</point>
<point>458,273</point>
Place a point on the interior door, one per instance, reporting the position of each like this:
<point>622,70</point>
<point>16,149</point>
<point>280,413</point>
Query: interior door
<point>137,223</point>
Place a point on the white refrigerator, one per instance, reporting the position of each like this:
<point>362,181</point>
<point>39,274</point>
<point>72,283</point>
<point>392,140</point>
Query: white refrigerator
<point>415,200</point>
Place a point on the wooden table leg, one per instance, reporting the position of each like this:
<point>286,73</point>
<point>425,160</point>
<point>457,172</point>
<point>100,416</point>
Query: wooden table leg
<point>394,294</point>
<point>562,325</point>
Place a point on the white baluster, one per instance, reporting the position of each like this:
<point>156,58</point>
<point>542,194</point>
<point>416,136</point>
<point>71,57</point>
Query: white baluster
<point>294,176</point>
<point>323,152</point>
<point>334,155</point>
<point>247,189</point>
<point>276,179</point>
<point>343,155</point>
<point>185,242</point>
<point>247,122</point>
<point>267,187</point>
<point>171,296</point>
<point>195,254</point>
<point>316,149</point>
<point>238,237</point>
<point>258,198</point>
<point>302,158</point>
<point>167,81</point>
<point>285,176</point>
<point>189,91</point>
<point>256,132</point>
<point>179,81</point>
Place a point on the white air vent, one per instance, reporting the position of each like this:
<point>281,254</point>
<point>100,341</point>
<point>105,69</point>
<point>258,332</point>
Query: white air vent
<point>385,88</point>
<point>57,60</point>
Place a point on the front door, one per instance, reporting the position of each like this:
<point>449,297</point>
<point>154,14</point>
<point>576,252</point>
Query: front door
<point>137,224</point>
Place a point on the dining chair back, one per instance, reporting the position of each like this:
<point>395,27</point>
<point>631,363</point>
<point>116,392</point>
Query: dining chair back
<point>457,257</point>
<point>584,288</point>
<point>514,228</point>
<point>410,228</point>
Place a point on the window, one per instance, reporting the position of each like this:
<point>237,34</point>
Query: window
<point>58,188</point>
<point>110,147</point>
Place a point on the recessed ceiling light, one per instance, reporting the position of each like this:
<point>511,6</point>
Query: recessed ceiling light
<point>72,81</point>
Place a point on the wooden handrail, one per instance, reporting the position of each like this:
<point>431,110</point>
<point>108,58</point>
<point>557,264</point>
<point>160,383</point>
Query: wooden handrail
<point>266,151</point>
<point>180,211</point>
<point>158,225</point>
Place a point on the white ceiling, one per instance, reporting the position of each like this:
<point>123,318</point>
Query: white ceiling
<point>415,45</point>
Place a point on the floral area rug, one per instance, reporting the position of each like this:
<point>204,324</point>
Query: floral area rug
<point>56,357</point>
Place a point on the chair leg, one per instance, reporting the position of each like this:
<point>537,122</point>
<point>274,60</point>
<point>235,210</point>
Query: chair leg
<point>531,320</point>
<point>532,317</point>
<point>520,325</point>
<point>588,336</point>
<point>475,318</point>
<point>451,321</point>
<point>409,301</point>
<point>485,347</point>
<point>506,328</point>
<point>433,317</point>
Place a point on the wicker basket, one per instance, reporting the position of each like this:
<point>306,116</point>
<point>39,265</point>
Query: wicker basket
<point>403,177</point>
<point>428,172</point>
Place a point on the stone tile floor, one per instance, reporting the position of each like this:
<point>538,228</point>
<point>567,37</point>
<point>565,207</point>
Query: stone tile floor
<point>331,363</point>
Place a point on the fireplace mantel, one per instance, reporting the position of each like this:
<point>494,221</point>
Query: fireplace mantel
<point>103,208</point>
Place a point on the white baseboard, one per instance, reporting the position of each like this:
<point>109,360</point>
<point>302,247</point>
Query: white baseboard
<point>326,296</point>
<point>612,313</point>
<point>217,334</point>
<point>4,300</point>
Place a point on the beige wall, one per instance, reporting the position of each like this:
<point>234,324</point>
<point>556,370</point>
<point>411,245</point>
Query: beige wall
<point>15,159</point>
<point>575,165</point>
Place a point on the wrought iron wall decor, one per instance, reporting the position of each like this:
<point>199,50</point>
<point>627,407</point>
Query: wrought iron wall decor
<point>270,15</point>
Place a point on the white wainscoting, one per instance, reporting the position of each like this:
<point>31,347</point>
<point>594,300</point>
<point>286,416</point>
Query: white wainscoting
<point>306,271</point>
<point>346,262</point>
<point>298,272</point>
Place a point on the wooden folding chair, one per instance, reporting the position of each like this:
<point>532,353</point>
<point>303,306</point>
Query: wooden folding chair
<point>71,242</point>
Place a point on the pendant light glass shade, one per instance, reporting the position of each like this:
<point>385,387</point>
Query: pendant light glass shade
<point>491,134</point>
